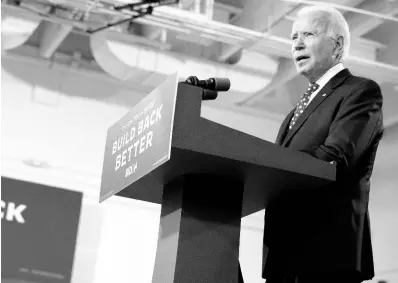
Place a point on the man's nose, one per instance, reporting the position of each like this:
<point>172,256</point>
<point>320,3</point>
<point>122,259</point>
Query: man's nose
<point>298,44</point>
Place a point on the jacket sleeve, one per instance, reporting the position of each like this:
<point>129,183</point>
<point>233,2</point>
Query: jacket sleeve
<point>357,121</point>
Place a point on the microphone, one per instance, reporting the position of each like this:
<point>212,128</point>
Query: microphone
<point>215,84</point>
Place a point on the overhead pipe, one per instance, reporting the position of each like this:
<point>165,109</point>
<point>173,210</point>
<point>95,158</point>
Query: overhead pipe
<point>129,62</point>
<point>346,8</point>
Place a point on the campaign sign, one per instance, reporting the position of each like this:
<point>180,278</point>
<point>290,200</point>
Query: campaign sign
<point>140,141</point>
<point>39,227</point>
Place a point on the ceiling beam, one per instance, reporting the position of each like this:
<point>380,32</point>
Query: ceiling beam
<point>52,37</point>
<point>360,24</point>
<point>390,54</point>
<point>228,8</point>
<point>259,16</point>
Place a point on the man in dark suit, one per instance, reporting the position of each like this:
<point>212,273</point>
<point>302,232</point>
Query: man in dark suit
<point>323,235</point>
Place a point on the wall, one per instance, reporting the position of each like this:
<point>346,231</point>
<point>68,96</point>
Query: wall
<point>57,120</point>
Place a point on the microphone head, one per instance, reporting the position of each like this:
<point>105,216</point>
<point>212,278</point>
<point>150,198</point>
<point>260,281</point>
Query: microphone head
<point>221,84</point>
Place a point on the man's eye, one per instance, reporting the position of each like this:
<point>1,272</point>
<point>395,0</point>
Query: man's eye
<point>308,34</point>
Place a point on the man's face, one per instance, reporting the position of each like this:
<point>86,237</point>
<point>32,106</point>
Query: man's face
<point>312,50</point>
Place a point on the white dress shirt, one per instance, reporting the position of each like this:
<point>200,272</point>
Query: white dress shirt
<point>322,81</point>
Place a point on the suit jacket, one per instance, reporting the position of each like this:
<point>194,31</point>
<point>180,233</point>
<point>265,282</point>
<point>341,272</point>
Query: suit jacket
<point>326,231</point>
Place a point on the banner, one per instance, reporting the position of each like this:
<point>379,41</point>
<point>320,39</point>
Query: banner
<point>140,141</point>
<point>39,227</point>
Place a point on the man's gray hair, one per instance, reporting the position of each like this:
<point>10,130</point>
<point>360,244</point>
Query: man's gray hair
<point>336,25</point>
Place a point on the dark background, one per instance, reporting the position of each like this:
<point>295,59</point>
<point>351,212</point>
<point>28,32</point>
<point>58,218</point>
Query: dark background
<point>41,249</point>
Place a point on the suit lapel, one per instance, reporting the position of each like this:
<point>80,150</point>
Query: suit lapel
<point>318,99</point>
<point>284,127</point>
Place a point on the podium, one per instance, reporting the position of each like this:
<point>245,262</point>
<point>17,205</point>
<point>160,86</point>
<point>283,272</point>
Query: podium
<point>215,175</point>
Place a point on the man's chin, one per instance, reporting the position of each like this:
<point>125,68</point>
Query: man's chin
<point>302,70</point>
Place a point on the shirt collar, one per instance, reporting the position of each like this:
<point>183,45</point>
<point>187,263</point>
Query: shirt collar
<point>322,81</point>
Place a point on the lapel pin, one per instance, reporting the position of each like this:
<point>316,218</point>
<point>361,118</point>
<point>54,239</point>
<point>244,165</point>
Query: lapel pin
<point>324,94</point>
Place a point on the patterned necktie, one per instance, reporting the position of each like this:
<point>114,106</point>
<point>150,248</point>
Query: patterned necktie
<point>303,103</point>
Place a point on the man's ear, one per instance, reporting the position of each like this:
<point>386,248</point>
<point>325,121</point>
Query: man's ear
<point>339,44</point>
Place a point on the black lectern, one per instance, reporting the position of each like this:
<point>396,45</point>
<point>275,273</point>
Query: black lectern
<point>215,176</point>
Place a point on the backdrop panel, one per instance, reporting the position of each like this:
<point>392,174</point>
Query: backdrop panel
<point>39,228</point>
